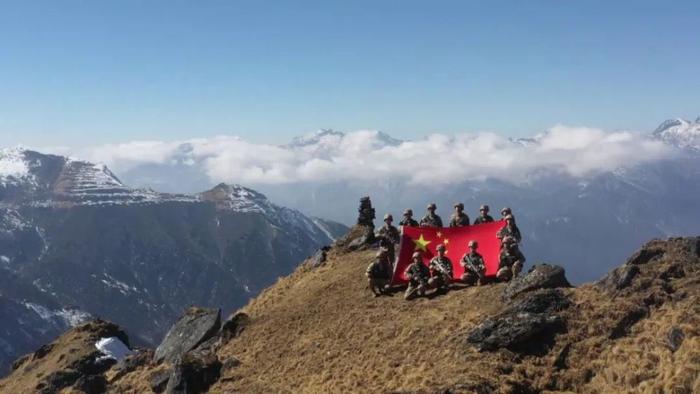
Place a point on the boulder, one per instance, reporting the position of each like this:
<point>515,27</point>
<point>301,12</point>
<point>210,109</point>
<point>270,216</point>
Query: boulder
<point>194,374</point>
<point>159,381</point>
<point>531,316</point>
<point>195,327</point>
<point>234,326</point>
<point>629,319</point>
<point>540,276</point>
<point>618,278</point>
<point>645,255</point>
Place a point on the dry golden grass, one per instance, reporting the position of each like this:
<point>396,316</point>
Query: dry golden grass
<point>321,331</point>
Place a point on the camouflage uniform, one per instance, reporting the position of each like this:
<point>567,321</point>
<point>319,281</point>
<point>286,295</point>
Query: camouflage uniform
<point>483,219</point>
<point>418,275</point>
<point>441,272</point>
<point>379,274</point>
<point>508,231</point>
<point>511,262</point>
<point>408,222</point>
<point>431,220</point>
<point>388,237</point>
<point>459,220</point>
<point>474,268</point>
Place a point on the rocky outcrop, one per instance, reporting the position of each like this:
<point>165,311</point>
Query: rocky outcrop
<point>196,326</point>
<point>541,276</point>
<point>533,315</point>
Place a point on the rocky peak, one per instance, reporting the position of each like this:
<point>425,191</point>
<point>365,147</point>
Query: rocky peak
<point>681,133</point>
<point>238,198</point>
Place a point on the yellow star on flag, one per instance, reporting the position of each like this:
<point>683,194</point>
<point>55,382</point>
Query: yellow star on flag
<point>439,234</point>
<point>446,241</point>
<point>421,243</point>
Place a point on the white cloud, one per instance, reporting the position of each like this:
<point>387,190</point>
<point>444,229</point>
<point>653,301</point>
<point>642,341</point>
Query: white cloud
<point>364,155</point>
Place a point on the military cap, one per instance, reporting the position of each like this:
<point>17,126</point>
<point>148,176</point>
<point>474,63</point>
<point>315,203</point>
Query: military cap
<point>508,217</point>
<point>459,205</point>
<point>388,217</point>
<point>505,210</point>
<point>484,207</point>
<point>441,247</point>
<point>432,206</point>
<point>416,254</point>
<point>473,243</point>
<point>408,212</point>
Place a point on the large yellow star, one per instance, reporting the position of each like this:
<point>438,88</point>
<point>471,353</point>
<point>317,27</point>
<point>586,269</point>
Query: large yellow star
<point>421,243</point>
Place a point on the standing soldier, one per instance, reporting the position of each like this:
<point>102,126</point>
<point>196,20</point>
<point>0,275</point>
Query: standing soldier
<point>408,220</point>
<point>440,270</point>
<point>509,230</point>
<point>431,219</point>
<point>505,212</point>
<point>388,236</point>
<point>459,218</point>
<point>379,273</point>
<point>511,260</point>
<point>474,267</point>
<point>484,216</point>
<point>418,275</point>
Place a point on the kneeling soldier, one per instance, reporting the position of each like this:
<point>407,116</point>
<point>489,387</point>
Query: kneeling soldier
<point>511,260</point>
<point>379,273</point>
<point>440,270</point>
<point>474,267</point>
<point>418,275</point>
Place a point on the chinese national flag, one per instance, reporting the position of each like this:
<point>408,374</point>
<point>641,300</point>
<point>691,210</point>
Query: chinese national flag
<point>455,239</point>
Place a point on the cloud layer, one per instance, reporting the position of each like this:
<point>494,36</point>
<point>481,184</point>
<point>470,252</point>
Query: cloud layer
<point>367,155</point>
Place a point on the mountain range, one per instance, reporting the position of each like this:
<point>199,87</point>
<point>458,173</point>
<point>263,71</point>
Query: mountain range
<point>76,243</point>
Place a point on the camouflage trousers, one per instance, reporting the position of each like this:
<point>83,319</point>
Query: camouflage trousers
<point>378,285</point>
<point>415,287</point>
<point>471,277</point>
<point>508,273</point>
<point>439,281</point>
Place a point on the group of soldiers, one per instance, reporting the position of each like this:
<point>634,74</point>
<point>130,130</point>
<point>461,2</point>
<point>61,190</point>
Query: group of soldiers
<point>438,275</point>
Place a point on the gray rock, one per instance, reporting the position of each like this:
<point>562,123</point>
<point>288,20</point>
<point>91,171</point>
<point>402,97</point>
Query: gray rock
<point>194,374</point>
<point>531,316</point>
<point>541,276</point>
<point>674,339</point>
<point>645,255</point>
<point>619,278</point>
<point>159,381</point>
<point>195,327</point>
<point>234,326</point>
<point>629,319</point>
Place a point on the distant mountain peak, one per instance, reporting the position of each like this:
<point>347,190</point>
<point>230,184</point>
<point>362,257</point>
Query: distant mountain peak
<point>238,198</point>
<point>681,133</point>
<point>324,136</point>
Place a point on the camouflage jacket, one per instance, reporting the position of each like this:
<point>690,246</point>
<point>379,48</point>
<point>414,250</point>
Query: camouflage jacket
<point>474,262</point>
<point>507,259</point>
<point>512,232</point>
<point>389,233</point>
<point>442,265</point>
<point>417,272</point>
<point>460,220</point>
<point>379,269</point>
<point>431,221</point>
<point>408,222</point>
<point>483,219</point>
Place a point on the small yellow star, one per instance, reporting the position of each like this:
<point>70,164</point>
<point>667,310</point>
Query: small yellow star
<point>439,234</point>
<point>421,243</point>
<point>446,241</point>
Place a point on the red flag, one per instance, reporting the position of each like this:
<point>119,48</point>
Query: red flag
<point>455,239</point>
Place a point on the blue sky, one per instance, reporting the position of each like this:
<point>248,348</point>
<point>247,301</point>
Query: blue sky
<point>91,72</point>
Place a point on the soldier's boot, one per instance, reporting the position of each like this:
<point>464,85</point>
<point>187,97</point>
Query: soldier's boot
<point>504,274</point>
<point>410,292</point>
<point>376,290</point>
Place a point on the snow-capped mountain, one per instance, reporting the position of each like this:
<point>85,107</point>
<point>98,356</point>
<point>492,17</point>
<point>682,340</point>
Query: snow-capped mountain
<point>75,241</point>
<point>329,137</point>
<point>680,133</point>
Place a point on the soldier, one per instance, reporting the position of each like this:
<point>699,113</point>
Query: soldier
<point>388,236</point>
<point>408,220</point>
<point>484,216</point>
<point>440,270</point>
<point>431,219</point>
<point>505,212</point>
<point>459,218</point>
<point>509,230</point>
<point>474,267</point>
<point>379,273</point>
<point>511,260</point>
<point>418,275</point>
